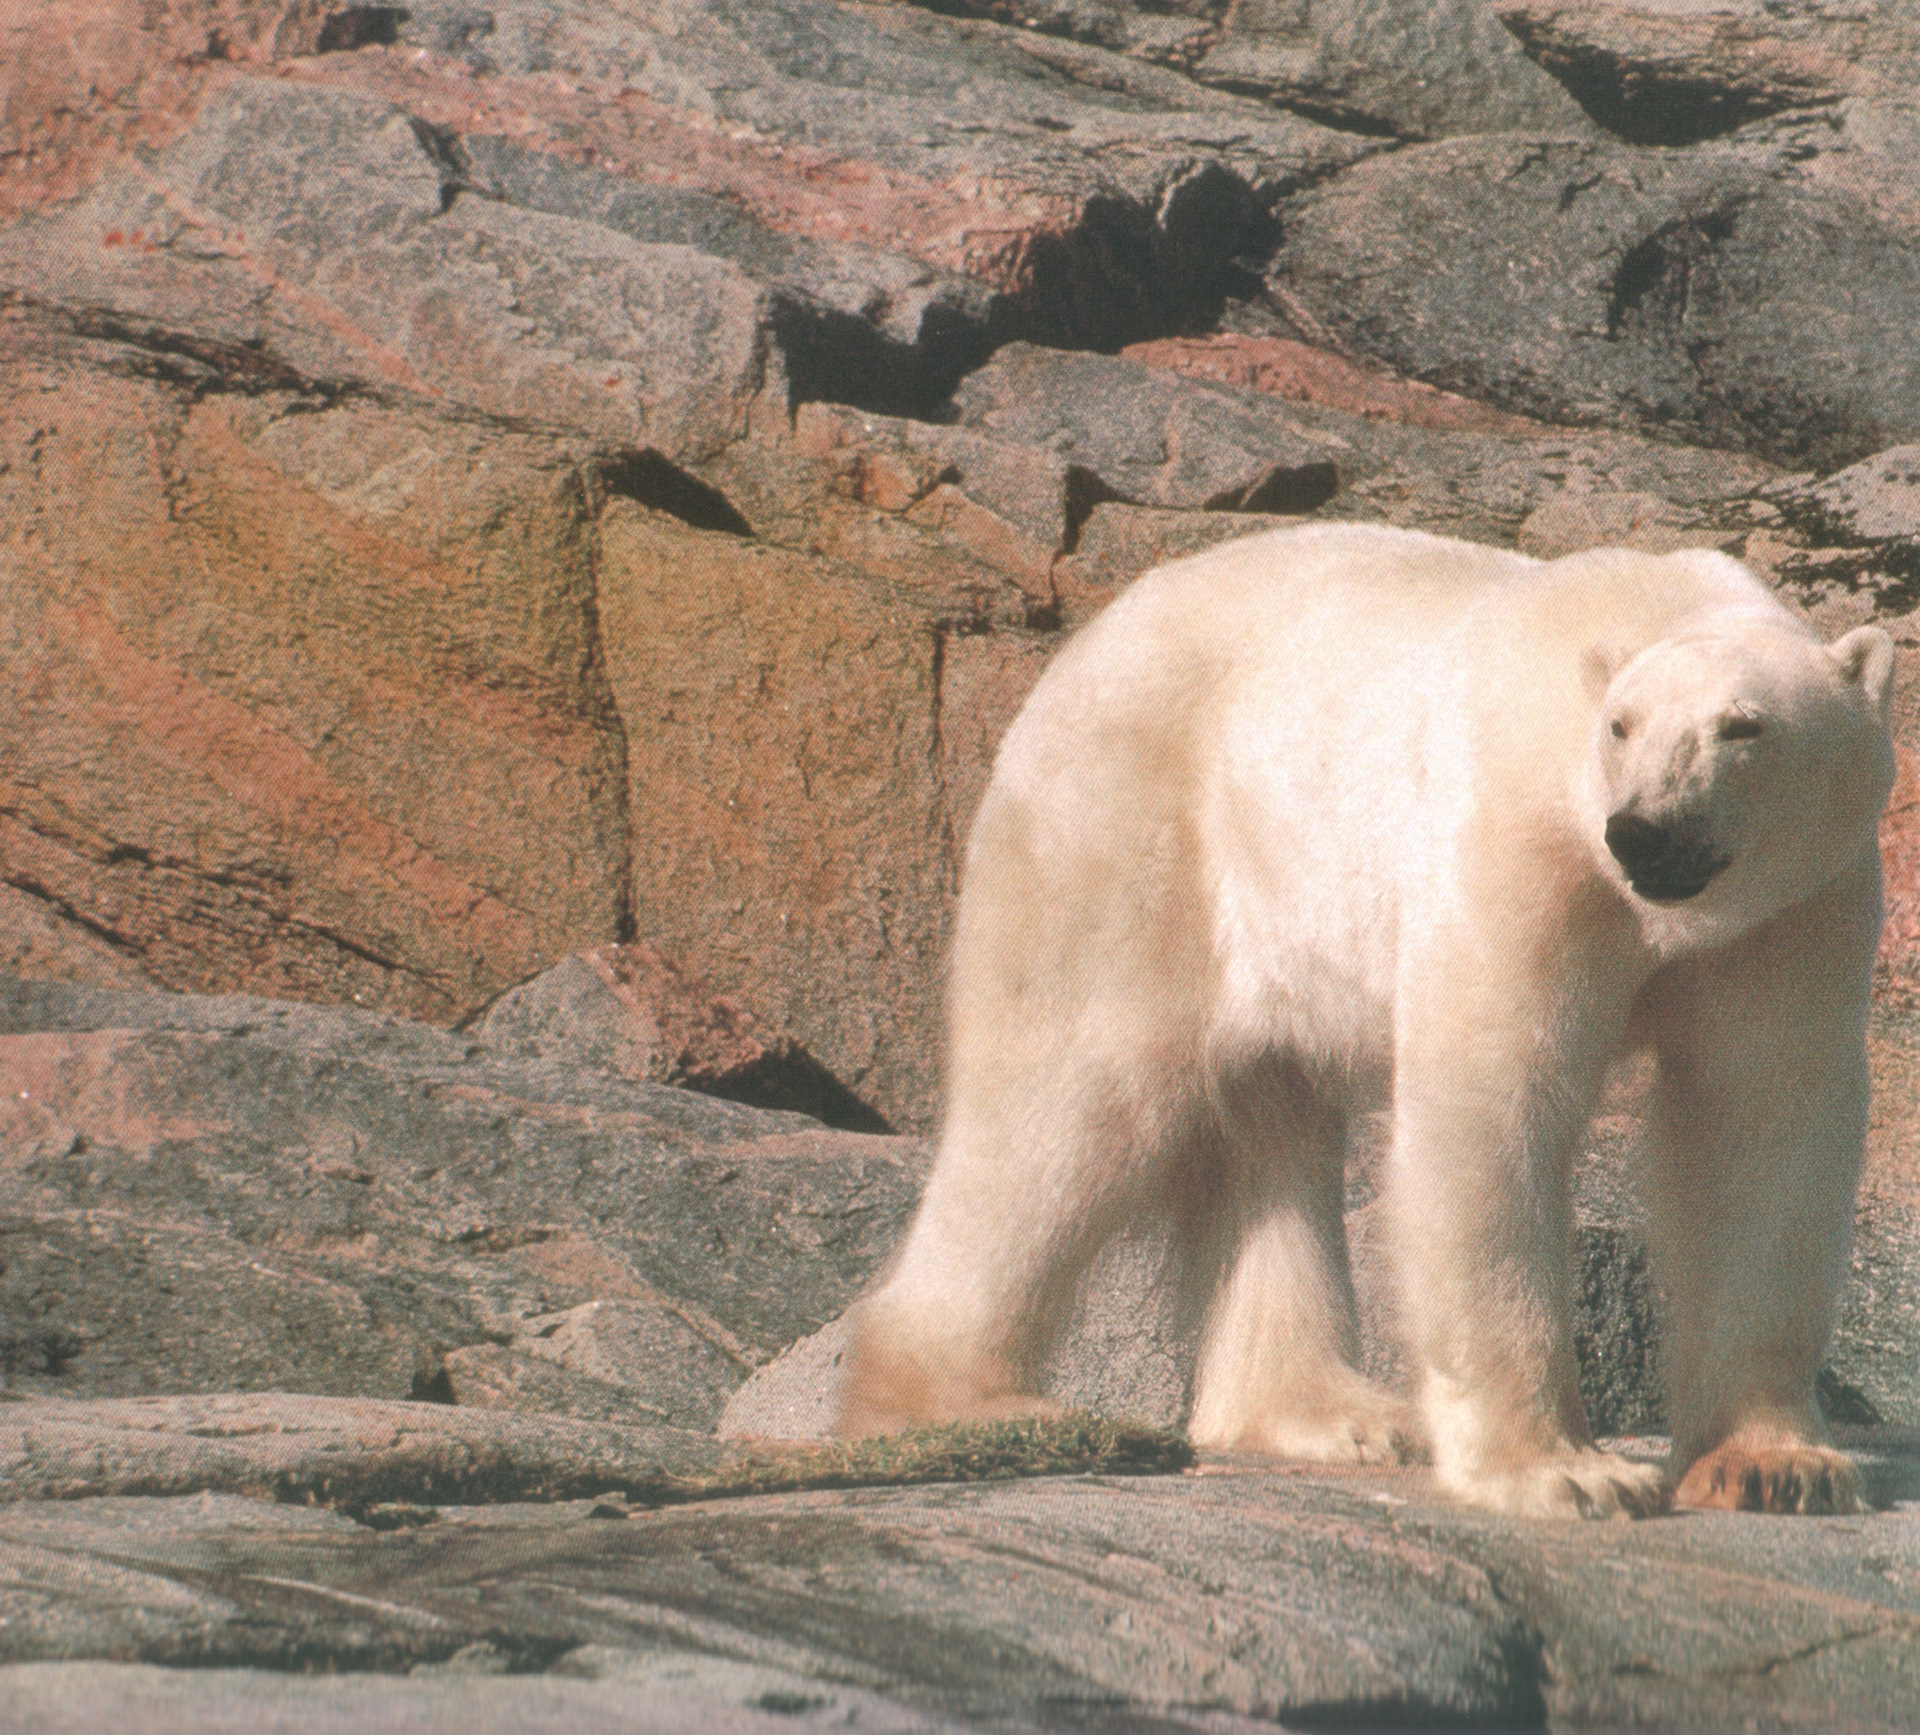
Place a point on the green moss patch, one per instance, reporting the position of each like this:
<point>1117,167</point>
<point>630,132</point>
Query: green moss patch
<point>1076,1444</point>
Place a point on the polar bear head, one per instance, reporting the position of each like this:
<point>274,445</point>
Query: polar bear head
<point>1741,766</point>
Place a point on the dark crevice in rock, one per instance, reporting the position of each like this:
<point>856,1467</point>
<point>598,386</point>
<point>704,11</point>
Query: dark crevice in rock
<point>789,1078</point>
<point>1119,276</point>
<point>359,26</point>
<point>432,1386</point>
<point>598,680</point>
<point>1293,489</point>
<point>654,481</point>
<point>442,145</point>
<point>1843,1402</point>
<point>836,357</point>
<point>1649,106</point>
<point>1340,119</point>
<point>37,1348</point>
<point>1655,277</point>
<point>207,364</point>
<point>1084,490</point>
<point>64,910</point>
<point>348,944</point>
<point>1525,1684</point>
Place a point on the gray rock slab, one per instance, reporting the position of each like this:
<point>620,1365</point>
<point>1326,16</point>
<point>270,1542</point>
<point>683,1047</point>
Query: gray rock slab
<point>1416,70</point>
<point>204,1192</point>
<point>600,1692</point>
<point>352,1452</point>
<point>1692,292</point>
<point>1094,198</point>
<point>316,232</point>
<point>1199,1601</point>
<point>320,233</point>
<point>1155,438</point>
<point>1381,66</point>
<point>1660,72</point>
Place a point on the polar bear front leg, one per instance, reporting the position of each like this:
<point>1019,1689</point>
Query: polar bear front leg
<point>1759,1120</point>
<point>1498,1061</point>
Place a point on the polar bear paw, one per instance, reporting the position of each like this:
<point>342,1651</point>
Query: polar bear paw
<point>1572,1484</point>
<point>1785,1477</point>
<point>1349,1421</point>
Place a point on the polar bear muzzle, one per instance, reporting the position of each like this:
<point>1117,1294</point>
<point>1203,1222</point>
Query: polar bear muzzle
<point>1665,863</point>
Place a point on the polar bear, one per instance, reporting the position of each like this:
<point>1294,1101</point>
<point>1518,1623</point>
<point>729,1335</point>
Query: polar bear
<point>1344,816</point>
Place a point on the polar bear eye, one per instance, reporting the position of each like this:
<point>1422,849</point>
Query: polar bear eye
<point>1739,726</point>
<point>1620,728</point>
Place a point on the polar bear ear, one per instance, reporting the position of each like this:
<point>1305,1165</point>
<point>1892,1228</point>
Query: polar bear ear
<point>1598,665</point>
<point>1865,658</point>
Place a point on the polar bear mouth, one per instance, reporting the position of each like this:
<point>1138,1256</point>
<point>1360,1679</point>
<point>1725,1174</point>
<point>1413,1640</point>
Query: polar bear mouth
<point>1675,890</point>
<point>1665,864</point>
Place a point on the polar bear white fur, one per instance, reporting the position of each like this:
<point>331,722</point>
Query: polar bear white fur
<point>1340,816</point>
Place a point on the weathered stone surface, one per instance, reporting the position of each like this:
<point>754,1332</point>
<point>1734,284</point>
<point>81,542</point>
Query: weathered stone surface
<point>1099,201</point>
<point>300,690</point>
<point>592,1690</point>
<point>297,1449</point>
<point>1376,66</point>
<point>632,1012</point>
<point>1861,526</point>
<point>203,1193</point>
<point>1414,70</point>
<point>796,197</point>
<point>1664,72</point>
<point>1290,369</point>
<point>1221,1601</point>
<point>325,232</point>
<point>1151,437</point>
<point>797,827</point>
<point>1685,291</point>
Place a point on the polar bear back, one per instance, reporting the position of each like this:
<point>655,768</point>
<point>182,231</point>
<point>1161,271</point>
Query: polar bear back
<point>1237,782</point>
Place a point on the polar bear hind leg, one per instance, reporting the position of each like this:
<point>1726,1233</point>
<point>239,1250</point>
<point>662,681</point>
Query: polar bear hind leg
<point>1265,1249</point>
<point>1037,1170</point>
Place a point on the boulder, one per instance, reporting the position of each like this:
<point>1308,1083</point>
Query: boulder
<point>327,235</point>
<point>1685,292</point>
<point>1657,73</point>
<point>793,198</point>
<point>205,1193</point>
<point>301,690</point>
<point>1399,67</point>
<point>798,786</point>
<point>1152,436</point>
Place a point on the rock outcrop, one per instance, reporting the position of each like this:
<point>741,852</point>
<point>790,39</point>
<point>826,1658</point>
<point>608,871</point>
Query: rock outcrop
<point>521,527</point>
<point>723,389</point>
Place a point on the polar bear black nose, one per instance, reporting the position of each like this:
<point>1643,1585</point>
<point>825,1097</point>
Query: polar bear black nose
<point>1636,843</point>
<point>1668,862</point>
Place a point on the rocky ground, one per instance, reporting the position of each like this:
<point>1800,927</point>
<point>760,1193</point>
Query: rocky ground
<point>520,528</point>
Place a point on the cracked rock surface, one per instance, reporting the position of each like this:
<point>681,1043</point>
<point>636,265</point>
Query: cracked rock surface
<point>1225,1600</point>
